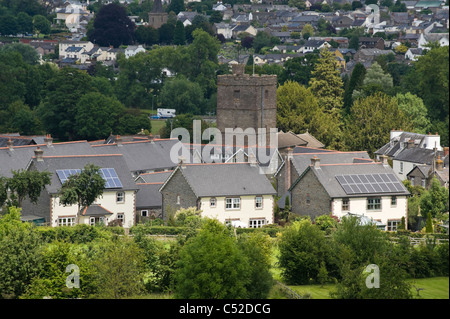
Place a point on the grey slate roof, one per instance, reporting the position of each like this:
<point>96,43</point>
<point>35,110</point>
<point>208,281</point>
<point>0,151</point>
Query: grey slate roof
<point>142,155</point>
<point>231,179</point>
<point>148,196</point>
<point>326,175</point>
<point>51,164</point>
<point>303,161</point>
<point>95,210</point>
<point>417,155</point>
<point>20,156</point>
<point>157,177</point>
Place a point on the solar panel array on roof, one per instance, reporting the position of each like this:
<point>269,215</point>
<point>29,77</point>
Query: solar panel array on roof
<point>64,174</point>
<point>370,183</point>
<point>111,178</point>
<point>108,174</point>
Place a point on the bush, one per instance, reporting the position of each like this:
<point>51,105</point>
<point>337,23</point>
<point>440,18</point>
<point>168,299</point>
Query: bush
<point>80,233</point>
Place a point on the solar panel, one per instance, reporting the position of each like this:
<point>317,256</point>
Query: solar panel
<point>370,183</point>
<point>108,174</point>
<point>111,178</point>
<point>64,174</point>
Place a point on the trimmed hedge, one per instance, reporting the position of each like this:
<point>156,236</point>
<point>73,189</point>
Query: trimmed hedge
<point>79,233</point>
<point>158,230</point>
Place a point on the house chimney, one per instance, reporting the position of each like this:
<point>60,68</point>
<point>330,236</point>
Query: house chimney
<point>48,140</point>
<point>118,140</point>
<point>252,159</point>
<point>9,144</point>
<point>410,143</point>
<point>439,164</point>
<point>181,162</point>
<point>38,153</point>
<point>445,151</point>
<point>384,159</point>
<point>315,162</point>
<point>287,177</point>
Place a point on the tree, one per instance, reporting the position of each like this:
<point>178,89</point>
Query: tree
<point>176,6</point>
<point>355,83</point>
<point>327,85</point>
<point>19,254</point>
<point>367,127</point>
<point>216,17</point>
<point>303,248</point>
<point>429,224</point>
<point>119,271</point>
<point>146,35</point>
<point>25,22</point>
<point>399,7</point>
<point>183,95</point>
<point>299,69</point>
<point>26,184</point>
<point>307,31</point>
<point>179,35</point>
<point>225,278</point>
<point>82,188</point>
<point>375,80</point>
<point>41,24</point>
<point>435,200</point>
<point>412,106</point>
<point>28,53</point>
<point>59,108</point>
<point>97,116</point>
<point>112,26</point>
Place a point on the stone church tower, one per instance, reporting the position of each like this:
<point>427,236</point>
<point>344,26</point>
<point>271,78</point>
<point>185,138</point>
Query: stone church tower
<point>246,101</point>
<point>157,17</point>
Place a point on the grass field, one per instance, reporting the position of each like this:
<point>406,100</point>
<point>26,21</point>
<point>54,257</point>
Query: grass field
<point>157,125</point>
<point>434,288</point>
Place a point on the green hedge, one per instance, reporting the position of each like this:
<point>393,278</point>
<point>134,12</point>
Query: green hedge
<point>158,230</point>
<point>79,233</point>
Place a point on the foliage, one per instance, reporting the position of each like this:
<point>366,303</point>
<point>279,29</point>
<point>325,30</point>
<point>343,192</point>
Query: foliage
<point>435,200</point>
<point>355,83</point>
<point>412,106</point>
<point>303,248</point>
<point>19,257</point>
<point>299,69</point>
<point>375,80</point>
<point>26,184</point>
<point>367,127</point>
<point>211,266</point>
<point>183,95</point>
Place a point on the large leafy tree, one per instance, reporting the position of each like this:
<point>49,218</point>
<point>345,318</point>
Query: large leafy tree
<point>59,108</point>
<point>112,26</point>
<point>355,82</point>
<point>367,126</point>
<point>299,69</point>
<point>412,106</point>
<point>19,254</point>
<point>375,80</point>
<point>26,184</point>
<point>183,95</point>
<point>197,276</point>
<point>435,200</point>
<point>97,116</point>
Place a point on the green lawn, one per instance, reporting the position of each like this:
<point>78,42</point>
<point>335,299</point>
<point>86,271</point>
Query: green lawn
<point>157,125</point>
<point>434,288</point>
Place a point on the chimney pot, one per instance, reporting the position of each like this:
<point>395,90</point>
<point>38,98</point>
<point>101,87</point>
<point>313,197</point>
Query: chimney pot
<point>39,154</point>
<point>439,164</point>
<point>384,159</point>
<point>10,143</point>
<point>315,162</point>
<point>48,140</point>
<point>118,140</point>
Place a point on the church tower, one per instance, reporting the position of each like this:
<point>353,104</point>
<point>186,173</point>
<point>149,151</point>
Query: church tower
<point>157,17</point>
<point>246,101</point>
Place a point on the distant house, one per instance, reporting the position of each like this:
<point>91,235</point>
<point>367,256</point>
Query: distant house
<point>421,175</point>
<point>371,43</point>
<point>425,39</point>
<point>132,50</point>
<point>312,45</point>
<point>243,28</point>
<point>224,28</point>
<point>413,53</point>
<point>366,56</point>
<point>231,193</point>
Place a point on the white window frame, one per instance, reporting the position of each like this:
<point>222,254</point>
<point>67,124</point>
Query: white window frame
<point>144,214</point>
<point>232,203</point>
<point>258,202</point>
<point>212,202</point>
<point>393,201</point>
<point>120,199</point>
<point>92,221</point>
<point>392,225</point>
<point>66,221</point>
<point>346,204</point>
<point>256,222</point>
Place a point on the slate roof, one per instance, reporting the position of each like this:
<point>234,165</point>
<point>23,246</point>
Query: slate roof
<point>417,155</point>
<point>20,156</point>
<point>303,161</point>
<point>148,195</point>
<point>326,175</point>
<point>95,210</point>
<point>393,147</point>
<point>142,155</point>
<point>289,139</point>
<point>156,177</point>
<point>53,163</point>
<point>311,140</point>
<point>17,140</point>
<point>231,179</point>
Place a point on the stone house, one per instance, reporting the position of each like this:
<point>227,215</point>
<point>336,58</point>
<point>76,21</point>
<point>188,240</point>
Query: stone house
<point>363,188</point>
<point>371,43</point>
<point>231,193</point>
